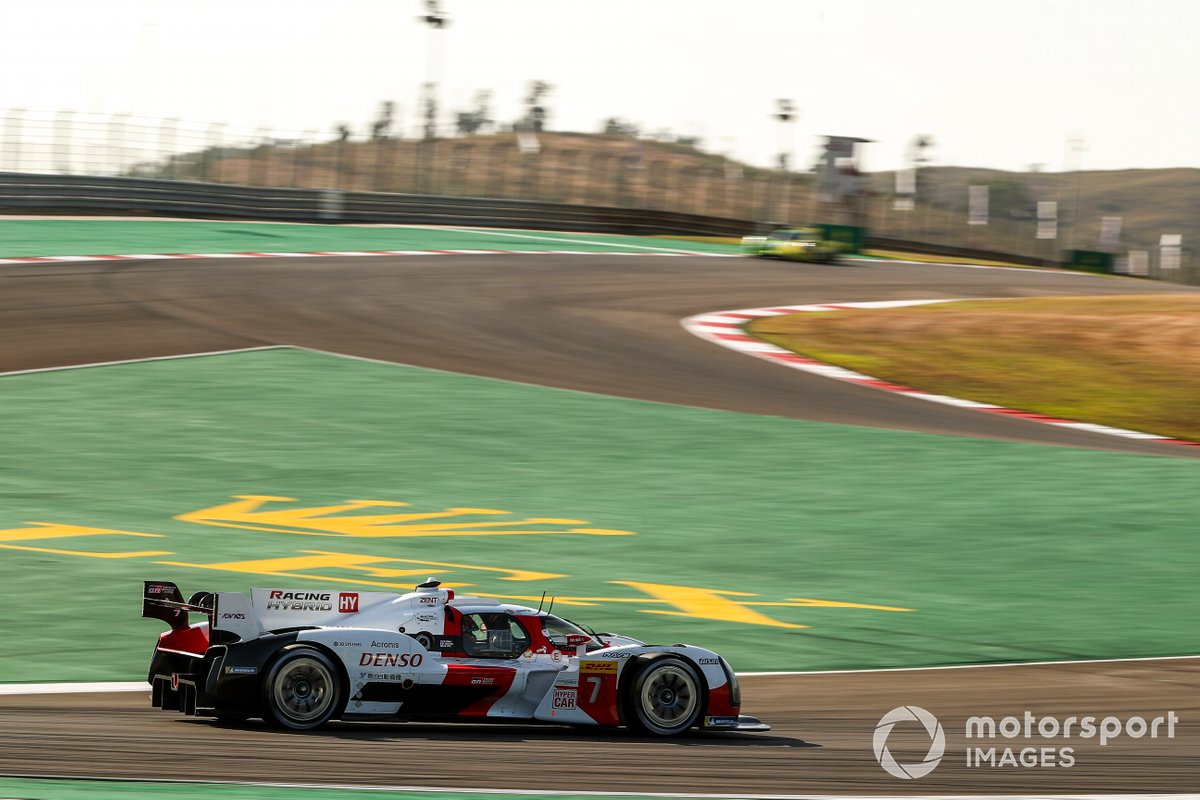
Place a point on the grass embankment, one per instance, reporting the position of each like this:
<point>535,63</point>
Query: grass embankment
<point>928,259</point>
<point>1131,362</point>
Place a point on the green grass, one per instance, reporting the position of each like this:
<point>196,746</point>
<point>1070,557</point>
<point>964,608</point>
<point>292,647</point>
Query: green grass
<point>81,789</point>
<point>68,237</point>
<point>1002,551</point>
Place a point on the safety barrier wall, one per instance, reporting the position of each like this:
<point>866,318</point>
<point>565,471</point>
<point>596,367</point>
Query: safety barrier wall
<point>73,194</point>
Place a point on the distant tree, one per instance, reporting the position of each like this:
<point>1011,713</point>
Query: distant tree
<point>343,131</point>
<point>536,112</point>
<point>615,126</point>
<point>690,141</point>
<point>473,121</point>
<point>382,126</point>
<point>1009,199</point>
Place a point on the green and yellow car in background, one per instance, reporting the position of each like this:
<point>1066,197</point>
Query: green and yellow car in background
<point>794,244</point>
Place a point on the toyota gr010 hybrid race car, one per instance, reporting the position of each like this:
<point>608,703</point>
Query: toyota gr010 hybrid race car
<point>298,659</point>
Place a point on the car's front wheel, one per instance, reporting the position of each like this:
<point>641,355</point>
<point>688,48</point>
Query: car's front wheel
<point>303,689</point>
<point>665,697</point>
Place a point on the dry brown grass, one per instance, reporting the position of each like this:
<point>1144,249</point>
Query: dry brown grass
<point>1131,362</point>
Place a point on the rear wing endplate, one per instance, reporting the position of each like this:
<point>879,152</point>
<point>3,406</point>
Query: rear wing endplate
<point>163,600</point>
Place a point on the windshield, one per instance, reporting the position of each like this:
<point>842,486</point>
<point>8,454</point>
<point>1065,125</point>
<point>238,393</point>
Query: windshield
<point>557,626</point>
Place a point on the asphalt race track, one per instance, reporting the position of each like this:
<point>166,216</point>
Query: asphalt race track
<point>603,324</point>
<point>606,324</point>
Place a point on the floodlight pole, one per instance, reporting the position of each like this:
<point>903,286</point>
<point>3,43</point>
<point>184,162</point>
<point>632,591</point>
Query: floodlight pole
<point>785,113</point>
<point>1077,145</point>
<point>437,20</point>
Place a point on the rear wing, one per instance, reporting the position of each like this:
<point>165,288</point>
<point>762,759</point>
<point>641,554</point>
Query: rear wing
<point>226,611</point>
<point>163,600</point>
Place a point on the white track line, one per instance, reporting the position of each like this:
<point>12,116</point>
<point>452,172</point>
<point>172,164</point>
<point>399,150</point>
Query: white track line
<point>728,329</point>
<point>73,688</point>
<point>127,686</point>
<point>675,250</point>
<point>148,358</point>
<point>642,250</point>
<point>995,665</point>
<point>458,790</point>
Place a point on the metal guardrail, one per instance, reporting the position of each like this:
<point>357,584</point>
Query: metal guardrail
<point>32,193</point>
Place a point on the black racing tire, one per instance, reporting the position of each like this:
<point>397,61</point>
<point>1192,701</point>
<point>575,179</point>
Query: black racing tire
<point>665,697</point>
<point>425,639</point>
<point>303,689</point>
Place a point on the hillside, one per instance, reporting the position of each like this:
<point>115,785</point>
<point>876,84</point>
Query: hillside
<point>615,170</point>
<point>1150,202</point>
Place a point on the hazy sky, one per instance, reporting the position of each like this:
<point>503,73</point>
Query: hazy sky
<point>1002,83</point>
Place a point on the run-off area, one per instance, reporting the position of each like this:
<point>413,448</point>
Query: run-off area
<point>784,544</point>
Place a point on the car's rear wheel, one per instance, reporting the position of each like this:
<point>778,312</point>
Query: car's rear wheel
<point>665,697</point>
<point>303,689</point>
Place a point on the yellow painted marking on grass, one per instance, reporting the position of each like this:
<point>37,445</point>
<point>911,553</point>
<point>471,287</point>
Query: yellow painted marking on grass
<point>297,566</point>
<point>51,530</point>
<point>808,602</point>
<point>40,531</point>
<point>309,576</point>
<point>88,553</point>
<point>250,512</point>
<point>311,565</point>
<point>704,604</point>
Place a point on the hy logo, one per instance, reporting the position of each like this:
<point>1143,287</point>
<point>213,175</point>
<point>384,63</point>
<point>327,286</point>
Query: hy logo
<point>937,745</point>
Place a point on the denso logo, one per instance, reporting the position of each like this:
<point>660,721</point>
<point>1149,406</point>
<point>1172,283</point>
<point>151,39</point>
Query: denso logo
<point>348,602</point>
<point>276,594</point>
<point>390,660</point>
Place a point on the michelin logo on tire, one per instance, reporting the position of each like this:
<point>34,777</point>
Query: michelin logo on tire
<point>937,742</point>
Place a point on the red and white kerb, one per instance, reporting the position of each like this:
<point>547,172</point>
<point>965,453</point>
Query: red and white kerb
<point>727,328</point>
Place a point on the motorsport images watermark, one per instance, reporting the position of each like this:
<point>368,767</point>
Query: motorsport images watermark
<point>995,736</point>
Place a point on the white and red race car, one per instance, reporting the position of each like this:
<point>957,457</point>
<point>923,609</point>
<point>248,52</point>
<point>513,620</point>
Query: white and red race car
<point>298,659</point>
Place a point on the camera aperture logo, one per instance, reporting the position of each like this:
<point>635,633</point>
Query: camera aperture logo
<point>1042,738</point>
<point>937,742</point>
